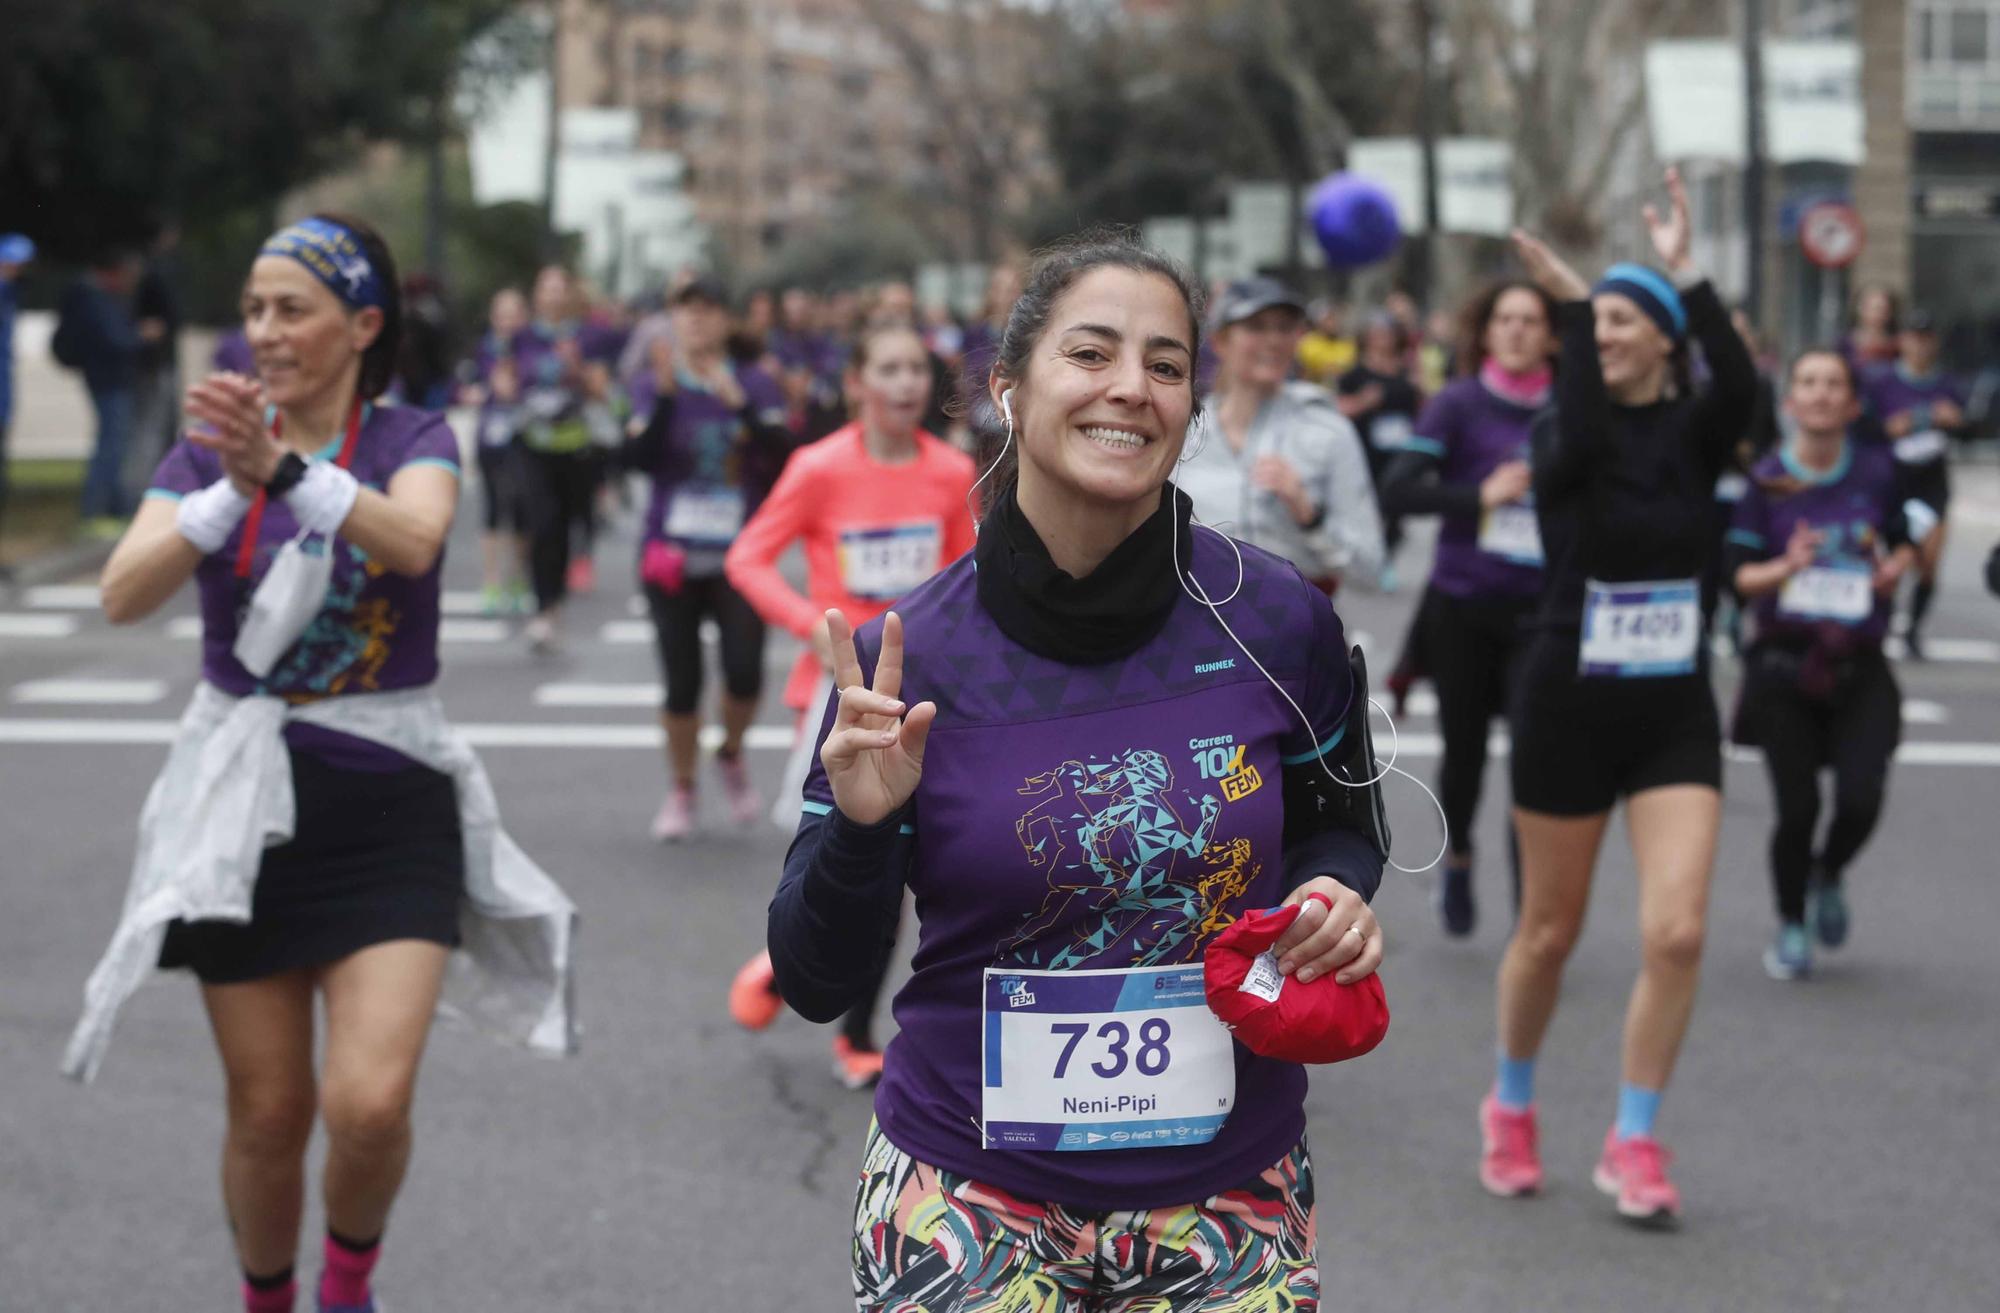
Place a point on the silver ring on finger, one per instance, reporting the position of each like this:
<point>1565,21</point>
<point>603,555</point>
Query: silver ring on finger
<point>1358,932</point>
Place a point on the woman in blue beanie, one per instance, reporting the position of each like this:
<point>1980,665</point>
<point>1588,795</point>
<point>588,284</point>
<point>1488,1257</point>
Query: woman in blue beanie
<point>1614,699</point>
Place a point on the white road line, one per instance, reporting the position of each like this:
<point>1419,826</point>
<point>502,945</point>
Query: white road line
<point>778,738</point>
<point>1969,651</point>
<point>1916,711</point>
<point>1421,702</point>
<point>761,738</point>
<point>16,624</point>
<point>598,695</point>
<point>184,628</point>
<point>63,597</point>
<point>90,692</point>
<point>626,631</point>
<point>461,601</point>
<point>123,733</point>
<point>473,631</point>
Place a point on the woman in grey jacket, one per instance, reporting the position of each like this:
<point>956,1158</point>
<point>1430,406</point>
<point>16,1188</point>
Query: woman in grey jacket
<point>1274,463</point>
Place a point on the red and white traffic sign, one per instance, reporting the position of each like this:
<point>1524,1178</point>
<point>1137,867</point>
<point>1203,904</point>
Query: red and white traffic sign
<point>1831,234</point>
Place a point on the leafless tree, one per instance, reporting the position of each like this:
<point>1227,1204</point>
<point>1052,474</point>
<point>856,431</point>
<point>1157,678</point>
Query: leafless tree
<point>1566,77</point>
<point>966,63</point>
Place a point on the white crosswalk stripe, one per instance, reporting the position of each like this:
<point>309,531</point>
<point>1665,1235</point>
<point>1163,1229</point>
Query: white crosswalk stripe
<point>473,631</point>
<point>62,597</point>
<point>1916,711</point>
<point>90,692</point>
<point>598,695</point>
<point>778,738</point>
<point>16,624</point>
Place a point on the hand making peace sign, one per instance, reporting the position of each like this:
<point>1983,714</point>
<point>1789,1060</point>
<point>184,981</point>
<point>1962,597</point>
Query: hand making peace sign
<point>874,754</point>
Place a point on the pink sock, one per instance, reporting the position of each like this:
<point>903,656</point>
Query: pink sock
<point>344,1281</point>
<point>279,1300</point>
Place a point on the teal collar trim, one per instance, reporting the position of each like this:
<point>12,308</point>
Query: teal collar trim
<point>1797,469</point>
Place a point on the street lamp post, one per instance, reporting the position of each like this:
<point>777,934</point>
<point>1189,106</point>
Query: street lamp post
<point>1753,159</point>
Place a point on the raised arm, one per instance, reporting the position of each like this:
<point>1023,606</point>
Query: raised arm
<point>1724,413</point>
<point>1583,405</point>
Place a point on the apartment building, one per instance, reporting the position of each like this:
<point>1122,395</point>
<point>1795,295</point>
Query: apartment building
<point>784,110</point>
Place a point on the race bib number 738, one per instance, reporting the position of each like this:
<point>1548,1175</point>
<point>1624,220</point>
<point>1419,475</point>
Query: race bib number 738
<point>1101,1060</point>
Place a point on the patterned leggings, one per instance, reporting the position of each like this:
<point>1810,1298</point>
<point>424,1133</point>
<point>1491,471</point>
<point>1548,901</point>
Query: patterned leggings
<point>931,1241</point>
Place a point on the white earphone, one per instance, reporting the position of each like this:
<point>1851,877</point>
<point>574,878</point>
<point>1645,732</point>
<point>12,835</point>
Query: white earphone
<point>1007,409</point>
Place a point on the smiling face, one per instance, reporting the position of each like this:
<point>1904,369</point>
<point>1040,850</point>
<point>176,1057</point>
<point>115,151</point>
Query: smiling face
<point>508,313</point>
<point>555,295</point>
<point>1382,348</point>
<point>1875,309</point>
<point>1631,349</point>
<point>1518,336</point>
<point>1257,352</point>
<point>700,326</point>
<point>891,382</point>
<point>1918,349</point>
<point>1102,409</point>
<point>1820,397</point>
<point>305,340</point>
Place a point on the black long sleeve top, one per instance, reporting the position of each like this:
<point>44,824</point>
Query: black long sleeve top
<point>1626,493</point>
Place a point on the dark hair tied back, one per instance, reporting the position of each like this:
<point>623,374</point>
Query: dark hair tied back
<point>378,362</point>
<point>1053,271</point>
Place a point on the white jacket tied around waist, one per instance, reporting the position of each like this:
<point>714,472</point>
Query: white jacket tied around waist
<point>225,795</point>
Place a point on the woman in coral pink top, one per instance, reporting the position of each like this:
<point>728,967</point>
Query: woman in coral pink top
<point>879,506</point>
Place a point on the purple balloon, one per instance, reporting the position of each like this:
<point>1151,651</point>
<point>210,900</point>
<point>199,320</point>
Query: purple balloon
<point>1354,220</point>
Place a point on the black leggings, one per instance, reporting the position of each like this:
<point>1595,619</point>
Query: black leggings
<point>559,488</point>
<point>500,479</point>
<point>1471,646</point>
<point>677,620</point>
<point>1855,732</point>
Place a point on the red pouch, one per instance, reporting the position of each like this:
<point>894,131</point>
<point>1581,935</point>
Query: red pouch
<point>663,565</point>
<point>1277,1017</point>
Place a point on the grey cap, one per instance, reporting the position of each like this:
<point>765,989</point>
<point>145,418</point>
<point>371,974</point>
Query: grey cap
<point>1250,296</point>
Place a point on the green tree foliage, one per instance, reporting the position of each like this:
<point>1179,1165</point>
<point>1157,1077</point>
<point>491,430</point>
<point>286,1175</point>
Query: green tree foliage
<point>116,116</point>
<point>1157,115</point>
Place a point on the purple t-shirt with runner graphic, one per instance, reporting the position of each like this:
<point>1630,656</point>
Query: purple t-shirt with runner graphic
<point>1078,818</point>
<point>712,475</point>
<point>1473,431</point>
<point>376,631</point>
<point>1857,507</point>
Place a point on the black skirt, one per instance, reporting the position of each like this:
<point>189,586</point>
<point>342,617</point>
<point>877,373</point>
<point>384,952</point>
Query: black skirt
<point>374,856</point>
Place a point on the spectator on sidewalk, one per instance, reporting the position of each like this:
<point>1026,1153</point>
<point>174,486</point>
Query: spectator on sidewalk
<point>157,305</point>
<point>97,336</point>
<point>16,252</point>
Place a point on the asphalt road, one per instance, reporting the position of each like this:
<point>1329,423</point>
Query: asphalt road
<point>1828,1133</point>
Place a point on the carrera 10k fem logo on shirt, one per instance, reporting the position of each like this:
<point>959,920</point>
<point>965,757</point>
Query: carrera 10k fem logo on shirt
<point>1133,858</point>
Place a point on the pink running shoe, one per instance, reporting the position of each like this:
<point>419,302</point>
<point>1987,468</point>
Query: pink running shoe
<point>1511,1165</point>
<point>753,995</point>
<point>744,804</point>
<point>856,1068</point>
<point>675,820</point>
<point>1634,1171</point>
<point>582,576</point>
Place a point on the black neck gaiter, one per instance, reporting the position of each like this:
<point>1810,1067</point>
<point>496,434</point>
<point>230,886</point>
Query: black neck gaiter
<point>1110,613</point>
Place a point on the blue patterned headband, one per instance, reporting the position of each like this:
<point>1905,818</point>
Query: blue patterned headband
<point>334,255</point>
